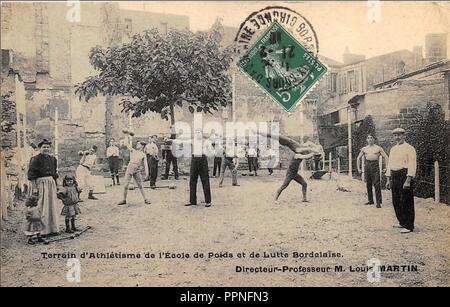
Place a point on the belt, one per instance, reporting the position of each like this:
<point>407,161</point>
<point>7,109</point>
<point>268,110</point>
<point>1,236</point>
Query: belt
<point>399,170</point>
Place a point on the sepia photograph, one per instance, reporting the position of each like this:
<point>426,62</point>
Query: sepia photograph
<point>225,144</point>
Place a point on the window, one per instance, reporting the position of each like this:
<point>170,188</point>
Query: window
<point>164,29</point>
<point>128,26</point>
<point>333,83</point>
<point>400,67</point>
<point>344,83</point>
<point>334,117</point>
<point>435,51</point>
<point>310,104</point>
<point>332,80</point>
<point>363,88</point>
<point>351,81</point>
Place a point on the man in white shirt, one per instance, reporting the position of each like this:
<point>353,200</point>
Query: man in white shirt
<point>371,155</point>
<point>318,157</point>
<point>134,168</point>
<point>272,157</point>
<point>112,154</point>
<point>252,158</point>
<point>199,168</point>
<point>152,152</point>
<point>218,153</point>
<point>401,169</point>
<point>169,158</point>
<point>230,160</point>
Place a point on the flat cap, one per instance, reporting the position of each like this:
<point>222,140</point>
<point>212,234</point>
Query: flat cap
<point>398,131</point>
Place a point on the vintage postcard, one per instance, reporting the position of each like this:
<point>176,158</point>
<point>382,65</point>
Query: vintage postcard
<point>225,144</point>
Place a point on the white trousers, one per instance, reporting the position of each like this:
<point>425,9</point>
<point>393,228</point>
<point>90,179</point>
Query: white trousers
<point>84,178</point>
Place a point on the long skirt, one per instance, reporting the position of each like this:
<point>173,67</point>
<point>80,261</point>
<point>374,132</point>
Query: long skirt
<point>48,204</point>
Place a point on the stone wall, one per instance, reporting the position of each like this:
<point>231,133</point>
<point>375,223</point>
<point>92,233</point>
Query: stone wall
<point>402,106</point>
<point>9,114</point>
<point>399,106</point>
<point>388,66</point>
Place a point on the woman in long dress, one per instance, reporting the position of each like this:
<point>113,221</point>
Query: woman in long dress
<point>42,172</point>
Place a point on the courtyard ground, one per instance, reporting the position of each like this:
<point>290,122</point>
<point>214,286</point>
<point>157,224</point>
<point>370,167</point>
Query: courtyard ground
<point>242,219</point>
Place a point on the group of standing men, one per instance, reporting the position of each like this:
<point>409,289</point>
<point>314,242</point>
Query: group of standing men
<point>401,165</point>
<point>400,169</point>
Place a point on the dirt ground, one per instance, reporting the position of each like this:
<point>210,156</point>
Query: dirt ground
<point>242,219</point>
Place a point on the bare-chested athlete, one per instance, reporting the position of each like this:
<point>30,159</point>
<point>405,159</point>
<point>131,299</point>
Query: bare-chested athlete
<point>371,153</point>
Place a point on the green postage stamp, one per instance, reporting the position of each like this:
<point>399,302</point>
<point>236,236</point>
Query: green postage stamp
<point>280,65</point>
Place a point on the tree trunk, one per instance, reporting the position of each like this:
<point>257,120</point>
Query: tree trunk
<point>109,120</point>
<point>172,114</point>
<point>172,120</point>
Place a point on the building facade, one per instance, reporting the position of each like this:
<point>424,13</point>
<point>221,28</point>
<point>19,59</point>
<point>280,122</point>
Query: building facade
<point>50,44</point>
<point>14,150</point>
<point>353,82</point>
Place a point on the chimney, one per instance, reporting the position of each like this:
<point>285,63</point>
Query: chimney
<point>435,47</point>
<point>418,56</point>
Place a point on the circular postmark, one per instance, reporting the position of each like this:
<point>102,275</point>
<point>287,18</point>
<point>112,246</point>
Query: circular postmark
<point>257,22</point>
<point>278,48</point>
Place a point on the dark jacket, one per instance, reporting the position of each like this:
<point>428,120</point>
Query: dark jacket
<point>42,166</point>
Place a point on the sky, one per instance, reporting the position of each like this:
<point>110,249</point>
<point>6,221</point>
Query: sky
<point>337,24</point>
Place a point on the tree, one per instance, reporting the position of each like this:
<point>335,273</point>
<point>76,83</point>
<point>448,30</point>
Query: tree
<point>360,133</point>
<point>156,73</point>
<point>428,133</point>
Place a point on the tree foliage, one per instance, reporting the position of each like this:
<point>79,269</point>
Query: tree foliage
<point>429,134</point>
<point>359,136</point>
<point>360,133</point>
<point>155,73</point>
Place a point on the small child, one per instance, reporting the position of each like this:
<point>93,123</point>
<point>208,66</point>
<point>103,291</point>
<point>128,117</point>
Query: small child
<point>69,194</point>
<point>34,224</point>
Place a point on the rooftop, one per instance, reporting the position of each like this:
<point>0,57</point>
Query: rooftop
<point>426,68</point>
